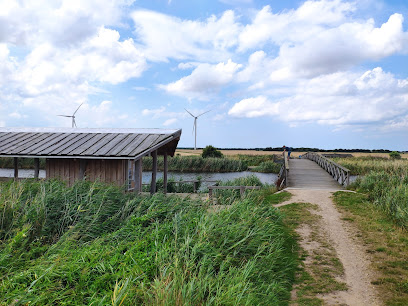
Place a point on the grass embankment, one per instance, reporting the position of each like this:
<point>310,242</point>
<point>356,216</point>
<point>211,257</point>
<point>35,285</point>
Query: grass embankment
<point>385,181</point>
<point>262,163</point>
<point>92,244</point>
<point>380,212</point>
<point>386,243</point>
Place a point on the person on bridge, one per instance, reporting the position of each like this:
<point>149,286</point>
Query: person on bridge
<point>288,149</point>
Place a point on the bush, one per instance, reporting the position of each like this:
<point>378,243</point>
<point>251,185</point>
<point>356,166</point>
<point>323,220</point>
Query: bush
<point>210,151</point>
<point>395,155</point>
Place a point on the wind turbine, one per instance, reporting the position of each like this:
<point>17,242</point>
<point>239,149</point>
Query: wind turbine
<point>195,126</point>
<point>73,116</point>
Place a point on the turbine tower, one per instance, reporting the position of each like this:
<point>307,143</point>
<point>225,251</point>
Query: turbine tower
<point>195,126</point>
<point>73,116</point>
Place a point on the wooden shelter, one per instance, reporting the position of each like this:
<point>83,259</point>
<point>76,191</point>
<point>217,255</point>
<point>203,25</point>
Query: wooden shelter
<point>108,155</point>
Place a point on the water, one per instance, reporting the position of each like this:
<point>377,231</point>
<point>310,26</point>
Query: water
<point>22,173</point>
<point>265,178</point>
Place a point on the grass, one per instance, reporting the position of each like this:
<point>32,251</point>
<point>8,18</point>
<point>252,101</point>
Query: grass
<point>386,243</point>
<point>92,244</point>
<point>365,164</point>
<point>319,267</point>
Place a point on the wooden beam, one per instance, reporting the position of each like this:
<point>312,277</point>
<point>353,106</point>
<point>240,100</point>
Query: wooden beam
<point>15,168</point>
<point>137,172</point>
<point>82,168</point>
<point>36,168</point>
<point>165,173</point>
<point>154,173</point>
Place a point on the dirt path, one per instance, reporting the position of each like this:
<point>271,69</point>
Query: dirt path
<point>350,252</point>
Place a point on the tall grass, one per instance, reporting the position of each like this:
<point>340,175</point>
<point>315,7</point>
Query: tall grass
<point>197,164</point>
<point>363,165</point>
<point>92,244</point>
<point>389,191</point>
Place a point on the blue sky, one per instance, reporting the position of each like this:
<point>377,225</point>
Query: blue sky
<point>328,74</point>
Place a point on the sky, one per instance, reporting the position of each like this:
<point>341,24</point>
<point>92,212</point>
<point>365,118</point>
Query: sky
<point>319,73</point>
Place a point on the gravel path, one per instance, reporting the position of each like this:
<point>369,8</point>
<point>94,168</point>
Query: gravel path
<point>349,249</point>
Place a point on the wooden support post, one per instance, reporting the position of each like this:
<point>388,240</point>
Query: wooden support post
<point>82,169</point>
<point>210,194</point>
<point>36,168</point>
<point>195,186</point>
<point>242,190</point>
<point>15,168</point>
<point>154,173</point>
<point>165,173</point>
<point>138,176</point>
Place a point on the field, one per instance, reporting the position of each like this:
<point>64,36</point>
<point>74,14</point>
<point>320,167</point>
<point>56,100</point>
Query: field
<point>92,244</point>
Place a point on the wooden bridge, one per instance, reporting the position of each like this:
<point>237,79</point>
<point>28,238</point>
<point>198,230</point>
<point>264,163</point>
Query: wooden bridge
<point>313,171</point>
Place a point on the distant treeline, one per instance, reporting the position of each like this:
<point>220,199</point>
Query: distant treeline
<point>302,149</point>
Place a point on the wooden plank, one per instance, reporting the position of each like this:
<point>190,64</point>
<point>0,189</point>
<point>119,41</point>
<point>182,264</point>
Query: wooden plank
<point>111,144</point>
<point>125,143</point>
<point>39,143</point>
<point>146,144</point>
<point>88,144</point>
<point>36,168</point>
<point>165,170</point>
<point>15,168</point>
<point>39,150</point>
<point>133,145</point>
<point>55,146</point>
<point>28,143</point>
<point>154,173</point>
<point>99,145</point>
<point>59,147</point>
<point>138,177</point>
<point>74,145</point>
<point>17,141</point>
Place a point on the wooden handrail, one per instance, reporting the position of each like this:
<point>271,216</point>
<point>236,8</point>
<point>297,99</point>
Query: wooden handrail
<point>339,173</point>
<point>282,181</point>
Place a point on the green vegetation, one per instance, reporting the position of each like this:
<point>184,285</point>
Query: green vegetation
<point>174,186</point>
<point>386,243</point>
<point>197,164</point>
<point>365,164</point>
<point>268,167</point>
<point>92,244</point>
<point>210,151</point>
<point>395,155</point>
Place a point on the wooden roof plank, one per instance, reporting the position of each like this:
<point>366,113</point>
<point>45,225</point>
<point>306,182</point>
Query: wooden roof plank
<point>146,144</point>
<point>43,148</point>
<point>68,143</point>
<point>12,144</point>
<point>76,144</point>
<point>98,145</point>
<point>84,146</point>
<point>36,143</point>
<point>51,149</point>
<point>111,144</point>
<point>123,144</point>
<point>28,143</point>
<point>135,143</point>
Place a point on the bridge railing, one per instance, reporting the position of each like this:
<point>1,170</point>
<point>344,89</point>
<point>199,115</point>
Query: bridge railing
<point>339,173</point>
<point>282,181</point>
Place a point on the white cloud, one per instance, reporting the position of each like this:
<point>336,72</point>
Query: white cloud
<point>165,36</point>
<point>339,99</point>
<point>169,122</point>
<point>205,80</point>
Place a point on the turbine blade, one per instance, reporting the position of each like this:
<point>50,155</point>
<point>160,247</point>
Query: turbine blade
<point>190,113</point>
<point>64,116</point>
<point>77,109</point>
<point>204,113</point>
<point>73,122</point>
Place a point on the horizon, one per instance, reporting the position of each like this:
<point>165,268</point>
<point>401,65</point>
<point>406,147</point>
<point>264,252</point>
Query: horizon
<point>316,74</point>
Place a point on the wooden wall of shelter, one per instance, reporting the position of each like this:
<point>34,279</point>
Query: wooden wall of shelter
<point>105,170</point>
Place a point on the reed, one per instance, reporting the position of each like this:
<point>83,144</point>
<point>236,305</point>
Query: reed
<point>92,244</point>
<point>364,165</point>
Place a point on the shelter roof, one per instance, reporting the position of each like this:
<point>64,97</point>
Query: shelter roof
<point>86,143</point>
